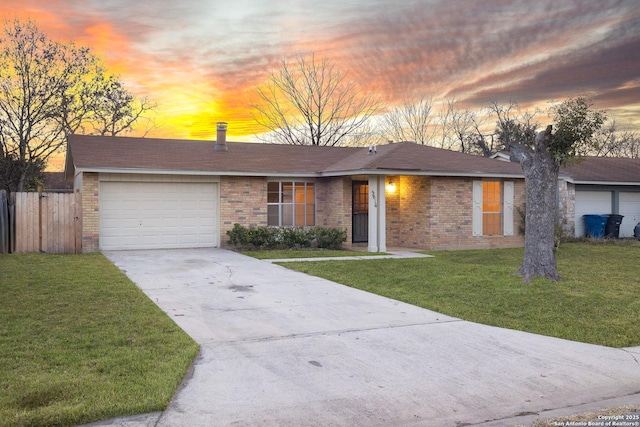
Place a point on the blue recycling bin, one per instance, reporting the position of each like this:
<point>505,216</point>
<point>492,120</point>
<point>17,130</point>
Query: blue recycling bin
<point>594,225</point>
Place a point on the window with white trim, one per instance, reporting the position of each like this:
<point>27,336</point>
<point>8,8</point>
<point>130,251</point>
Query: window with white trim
<point>291,203</point>
<point>493,208</point>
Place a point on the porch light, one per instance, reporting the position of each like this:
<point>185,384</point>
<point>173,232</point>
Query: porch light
<point>391,187</point>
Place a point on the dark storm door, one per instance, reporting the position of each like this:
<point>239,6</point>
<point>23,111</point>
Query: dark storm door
<point>360,211</point>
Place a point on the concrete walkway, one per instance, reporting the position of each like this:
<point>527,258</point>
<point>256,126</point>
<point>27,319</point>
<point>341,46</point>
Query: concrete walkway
<point>390,254</point>
<point>281,348</point>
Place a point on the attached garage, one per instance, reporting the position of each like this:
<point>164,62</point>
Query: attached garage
<point>630,208</point>
<point>615,200</point>
<point>590,202</point>
<point>606,185</point>
<point>155,214</point>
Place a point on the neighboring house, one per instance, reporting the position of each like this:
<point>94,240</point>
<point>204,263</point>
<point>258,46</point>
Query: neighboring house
<point>602,185</point>
<point>597,185</point>
<point>162,193</point>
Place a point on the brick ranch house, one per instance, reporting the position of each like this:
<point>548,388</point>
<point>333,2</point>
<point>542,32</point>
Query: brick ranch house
<point>164,193</point>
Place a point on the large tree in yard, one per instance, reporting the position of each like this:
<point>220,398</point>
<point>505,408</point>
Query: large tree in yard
<point>541,158</point>
<point>49,90</point>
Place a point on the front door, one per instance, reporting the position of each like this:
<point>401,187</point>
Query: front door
<point>360,211</point>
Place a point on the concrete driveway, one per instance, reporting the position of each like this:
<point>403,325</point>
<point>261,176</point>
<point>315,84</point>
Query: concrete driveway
<point>281,348</point>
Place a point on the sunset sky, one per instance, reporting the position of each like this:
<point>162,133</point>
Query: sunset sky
<point>200,60</point>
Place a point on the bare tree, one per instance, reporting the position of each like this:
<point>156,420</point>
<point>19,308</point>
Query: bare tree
<point>481,141</point>
<point>457,124</point>
<point>514,125</point>
<point>541,158</point>
<point>611,141</point>
<point>628,144</point>
<point>412,121</point>
<point>466,131</point>
<point>311,102</point>
<point>47,91</point>
<point>367,135</point>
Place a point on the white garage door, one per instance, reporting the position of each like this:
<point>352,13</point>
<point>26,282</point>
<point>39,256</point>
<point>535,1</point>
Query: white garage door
<point>630,208</point>
<point>590,202</point>
<point>157,215</point>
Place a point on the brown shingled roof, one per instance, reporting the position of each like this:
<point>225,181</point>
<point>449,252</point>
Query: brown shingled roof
<point>409,156</point>
<point>106,152</point>
<point>605,170</point>
<point>96,153</point>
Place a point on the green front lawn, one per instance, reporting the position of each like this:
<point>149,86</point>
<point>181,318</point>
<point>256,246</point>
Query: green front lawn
<point>597,302</point>
<point>79,342</point>
<point>307,253</point>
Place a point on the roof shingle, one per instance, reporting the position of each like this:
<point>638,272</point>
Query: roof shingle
<point>94,153</point>
<point>605,170</point>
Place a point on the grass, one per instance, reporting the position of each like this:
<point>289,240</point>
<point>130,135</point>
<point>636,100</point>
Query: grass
<point>598,300</point>
<point>79,342</point>
<point>319,253</point>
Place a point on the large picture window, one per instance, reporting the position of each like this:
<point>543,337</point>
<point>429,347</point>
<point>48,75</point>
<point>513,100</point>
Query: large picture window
<point>291,203</point>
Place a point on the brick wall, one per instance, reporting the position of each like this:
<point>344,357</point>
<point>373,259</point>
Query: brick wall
<point>89,187</point>
<point>520,198</point>
<point>243,200</point>
<point>333,204</point>
<point>451,216</point>
<point>436,213</point>
<point>519,203</point>
<point>422,213</point>
<point>450,207</point>
<point>408,212</point>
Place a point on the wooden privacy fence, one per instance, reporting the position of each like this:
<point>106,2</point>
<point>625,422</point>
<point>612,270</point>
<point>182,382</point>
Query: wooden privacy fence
<point>48,222</point>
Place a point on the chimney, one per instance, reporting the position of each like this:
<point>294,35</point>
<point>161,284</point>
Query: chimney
<point>221,137</point>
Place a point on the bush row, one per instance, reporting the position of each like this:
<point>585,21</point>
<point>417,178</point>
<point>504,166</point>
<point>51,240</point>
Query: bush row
<point>286,237</point>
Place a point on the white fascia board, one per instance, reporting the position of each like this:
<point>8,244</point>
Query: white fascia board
<point>192,172</point>
<point>142,171</point>
<point>622,183</point>
<point>420,173</point>
<point>273,174</point>
<point>301,174</point>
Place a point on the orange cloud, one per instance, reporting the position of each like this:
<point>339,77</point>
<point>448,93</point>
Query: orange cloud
<point>201,62</point>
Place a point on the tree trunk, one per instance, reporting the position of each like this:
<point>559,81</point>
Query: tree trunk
<point>22,181</point>
<point>539,240</point>
<point>541,180</point>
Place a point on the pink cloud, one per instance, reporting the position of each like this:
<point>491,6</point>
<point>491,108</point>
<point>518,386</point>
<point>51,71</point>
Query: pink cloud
<point>190,53</point>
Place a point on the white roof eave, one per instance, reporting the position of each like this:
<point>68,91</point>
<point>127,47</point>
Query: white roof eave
<point>472,174</point>
<point>620,183</point>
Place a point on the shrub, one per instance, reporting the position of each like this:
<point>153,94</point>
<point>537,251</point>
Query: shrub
<point>237,234</point>
<point>294,237</point>
<point>261,237</point>
<point>330,238</point>
<point>286,237</point>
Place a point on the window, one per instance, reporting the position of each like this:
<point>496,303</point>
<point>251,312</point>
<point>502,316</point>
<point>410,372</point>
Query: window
<point>291,203</point>
<point>491,208</point>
